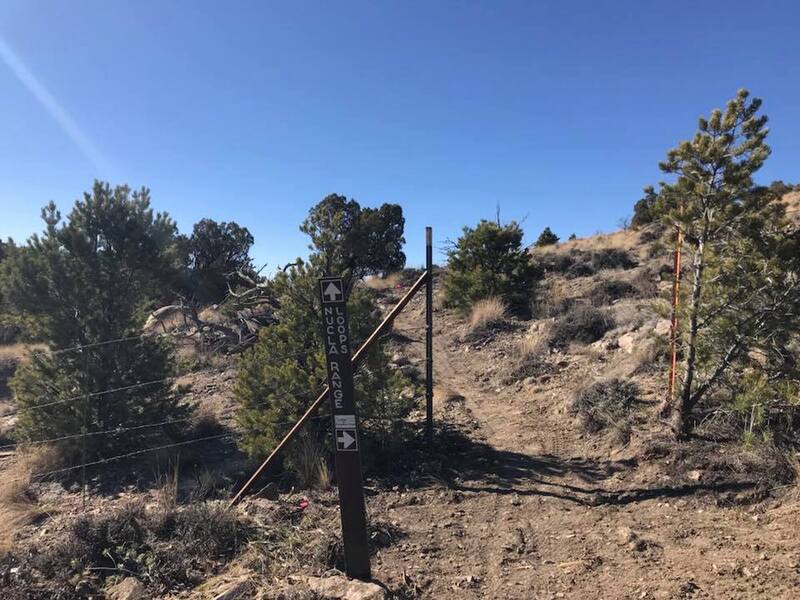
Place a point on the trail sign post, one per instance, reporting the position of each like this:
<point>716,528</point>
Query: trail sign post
<point>336,336</point>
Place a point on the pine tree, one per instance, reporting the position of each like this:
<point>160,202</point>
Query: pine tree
<point>353,242</point>
<point>85,281</point>
<point>546,238</point>
<point>648,209</point>
<point>216,253</point>
<point>285,370</point>
<point>490,260</point>
<point>738,293</point>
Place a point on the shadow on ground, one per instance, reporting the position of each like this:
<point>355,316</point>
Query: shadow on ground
<point>456,461</point>
<point>216,464</point>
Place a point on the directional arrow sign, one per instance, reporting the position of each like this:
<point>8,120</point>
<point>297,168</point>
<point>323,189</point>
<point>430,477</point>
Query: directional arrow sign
<point>336,335</point>
<point>346,439</point>
<point>331,291</point>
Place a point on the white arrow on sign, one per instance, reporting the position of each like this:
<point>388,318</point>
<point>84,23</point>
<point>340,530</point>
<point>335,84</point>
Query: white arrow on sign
<point>345,439</point>
<point>332,292</point>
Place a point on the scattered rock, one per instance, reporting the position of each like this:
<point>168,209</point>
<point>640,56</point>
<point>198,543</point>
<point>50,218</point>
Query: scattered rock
<point>604,345</point>
<point>625,535</point>
<point>663,327</point>
<point>627,342</point>
<point>235,591</point>
<point>129,588</point>
<point>694,475</point>
<point>630,538</point>
<point>341,588</point>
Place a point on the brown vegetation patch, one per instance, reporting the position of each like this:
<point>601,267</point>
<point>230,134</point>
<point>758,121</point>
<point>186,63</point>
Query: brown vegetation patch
<point>18,507</point>
<point>486,314</point>
<point>582,323</point>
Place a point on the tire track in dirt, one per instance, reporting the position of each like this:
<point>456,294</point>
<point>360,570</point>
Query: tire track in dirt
<point>530,511</point>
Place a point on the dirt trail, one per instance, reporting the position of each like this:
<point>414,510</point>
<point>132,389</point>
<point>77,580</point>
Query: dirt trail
<point>535,511</point>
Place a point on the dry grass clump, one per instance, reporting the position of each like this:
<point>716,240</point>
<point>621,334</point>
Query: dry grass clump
<point>529,356</point>
<point>167,483</point>
<point>486,313</point>
<point>382,284</point>
<point>208,484</point>
<point>17,503</point>
<point>792,460</point>
<point>607,405</point>
<point>310,465</point>
<point>13,351</point>
<point>206,421</point>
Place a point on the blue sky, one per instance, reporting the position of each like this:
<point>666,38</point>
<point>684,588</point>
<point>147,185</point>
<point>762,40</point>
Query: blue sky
<point>253,111</point>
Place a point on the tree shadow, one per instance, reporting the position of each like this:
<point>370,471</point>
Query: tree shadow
<point>462,464</point>
<point>151,470</point>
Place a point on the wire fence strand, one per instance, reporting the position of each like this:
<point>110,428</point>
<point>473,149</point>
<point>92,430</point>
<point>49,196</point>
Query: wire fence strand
<point>138,385</point>
<point>120,430</point>
<point>85,396</point>
<point>103,461</point>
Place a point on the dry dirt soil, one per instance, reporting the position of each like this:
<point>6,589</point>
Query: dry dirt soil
<point>537,508</point>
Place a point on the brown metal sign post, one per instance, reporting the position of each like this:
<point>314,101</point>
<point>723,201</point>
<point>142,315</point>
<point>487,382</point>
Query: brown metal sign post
<point>336,335</point>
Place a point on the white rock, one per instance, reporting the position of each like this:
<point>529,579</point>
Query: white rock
<point>694,475</point>
<point>341,588</point>
<point>627,342</point>
<point>129,588</point>
<point>663,327</point>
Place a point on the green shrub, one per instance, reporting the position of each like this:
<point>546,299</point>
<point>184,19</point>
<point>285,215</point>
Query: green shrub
<point>546,238</point>
<point>490,261</point>
<point>652,233</point>
<point>579,269</point>
<point>649,209</point>
<point>284,372</point>
<point>555,262</point>
<point>612,258</point>
<point>215,252</point>
<point>582,323</point>
<point>768,412</point>
<point>606,292</point>
<point>646,283</point>
<point>353,242</point>
<point>165,550</point>
<point>87,280</point>
<point>556,306</point>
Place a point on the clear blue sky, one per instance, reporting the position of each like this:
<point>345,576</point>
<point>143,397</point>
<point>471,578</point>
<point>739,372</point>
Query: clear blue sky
<point>253,111</point>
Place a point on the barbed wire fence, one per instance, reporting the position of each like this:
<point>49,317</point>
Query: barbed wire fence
<point>407,334</point>
<point>51,400</point>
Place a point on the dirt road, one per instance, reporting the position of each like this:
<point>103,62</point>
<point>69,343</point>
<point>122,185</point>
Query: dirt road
<point>532,507</point>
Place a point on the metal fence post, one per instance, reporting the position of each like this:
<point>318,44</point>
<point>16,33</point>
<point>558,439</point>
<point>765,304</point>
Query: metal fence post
<point>429,335</point>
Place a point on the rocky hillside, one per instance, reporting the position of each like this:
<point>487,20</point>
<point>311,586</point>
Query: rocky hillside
<point>551,476</point>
